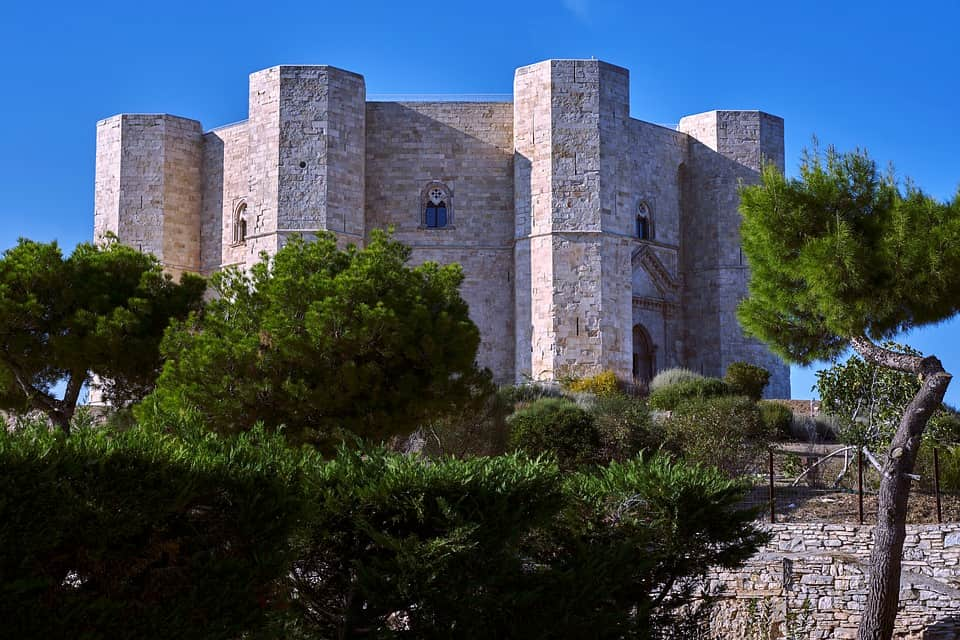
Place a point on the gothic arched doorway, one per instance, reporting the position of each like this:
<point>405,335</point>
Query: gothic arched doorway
<point>644,357</point>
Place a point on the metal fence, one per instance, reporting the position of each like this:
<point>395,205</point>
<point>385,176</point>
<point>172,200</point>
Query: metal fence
<point>838,483</point>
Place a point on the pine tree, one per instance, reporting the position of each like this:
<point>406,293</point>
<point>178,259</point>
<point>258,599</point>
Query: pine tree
<point>845,257</point>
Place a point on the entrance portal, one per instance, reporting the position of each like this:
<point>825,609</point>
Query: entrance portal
<point>644,357</point>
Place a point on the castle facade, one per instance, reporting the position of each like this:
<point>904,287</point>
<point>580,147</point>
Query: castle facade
<point>590,240</point>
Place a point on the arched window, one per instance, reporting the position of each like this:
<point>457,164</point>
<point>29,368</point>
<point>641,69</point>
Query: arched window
<point>436,207</point>
<point>644,228</point>
<point>240,224</point>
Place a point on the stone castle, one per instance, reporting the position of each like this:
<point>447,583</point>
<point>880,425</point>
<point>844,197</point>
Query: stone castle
<point>590,240</point>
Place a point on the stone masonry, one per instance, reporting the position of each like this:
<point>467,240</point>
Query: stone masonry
<point>821,569</point>
<point>590,240</point>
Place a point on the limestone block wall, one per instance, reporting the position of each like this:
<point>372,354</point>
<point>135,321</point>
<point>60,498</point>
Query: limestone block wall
<point>725,150</point>
<point>825,565</point>
<point>468,148</point>
<point>148,186</point>
<point>225,185</point>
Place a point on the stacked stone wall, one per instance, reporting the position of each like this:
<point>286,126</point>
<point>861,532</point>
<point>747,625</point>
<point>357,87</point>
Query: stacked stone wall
<point>468,148</point>
<point>823,568</point>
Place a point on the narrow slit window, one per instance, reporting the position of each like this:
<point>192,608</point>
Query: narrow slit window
<point>644,228</point>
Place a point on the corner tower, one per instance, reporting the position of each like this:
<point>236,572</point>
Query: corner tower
<point>148,186</point>
<point>306,155</point>
<point>727,148</point>
<point>573,291</point>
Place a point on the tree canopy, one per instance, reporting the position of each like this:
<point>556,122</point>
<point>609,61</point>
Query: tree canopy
<point>101,311</point>
<point>323,340</point>
<point>843,251</point>
<point>843,256</point>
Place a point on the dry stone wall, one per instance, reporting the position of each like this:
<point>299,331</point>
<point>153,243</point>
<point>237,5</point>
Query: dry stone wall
<point>821,568</point>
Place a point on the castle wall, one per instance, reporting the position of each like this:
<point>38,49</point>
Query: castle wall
<point>468,147</point>
<point>728,148</point>
<point>225,185</point>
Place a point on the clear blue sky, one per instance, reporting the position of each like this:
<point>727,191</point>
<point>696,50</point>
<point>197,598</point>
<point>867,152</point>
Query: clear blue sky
<point>882,75</point>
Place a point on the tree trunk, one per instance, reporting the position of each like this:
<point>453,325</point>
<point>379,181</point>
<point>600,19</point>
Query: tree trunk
<point>883,596</point>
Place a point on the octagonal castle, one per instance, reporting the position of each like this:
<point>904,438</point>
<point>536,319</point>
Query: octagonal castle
<point>590,240</point>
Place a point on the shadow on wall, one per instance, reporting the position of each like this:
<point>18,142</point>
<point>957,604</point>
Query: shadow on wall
<point>946,629</point>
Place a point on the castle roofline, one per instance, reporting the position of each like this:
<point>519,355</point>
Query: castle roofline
<point>327,67</point>
<point>145,115</point>
<point>602,63</point>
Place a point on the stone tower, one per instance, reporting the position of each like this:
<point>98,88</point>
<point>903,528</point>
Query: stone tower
<point>306,142</point>
<point>147,190</point>
<point>727,148</point>
<point>572,291</point>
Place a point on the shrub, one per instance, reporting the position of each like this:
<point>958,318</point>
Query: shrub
<point>949,467</point>
<point>144,535</point>
<point>943,428</point>
<point>558,427</point>
<point>603,384</point>
<point>727,433</point>
<point>669,377</point>
<point>778,418</point>
<point>668,398</point>
<point>747,379</point>
<point>535,554</point>
<point>625,427</point>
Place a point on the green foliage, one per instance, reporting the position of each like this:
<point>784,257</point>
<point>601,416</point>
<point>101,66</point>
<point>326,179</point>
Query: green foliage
<point>636,536</point>
<point>943,428</point>
<point>625,427</point>
<point>401,542</point>
<point>867,399</point>
<point>603,384</point>
<point>777,417</point>
<point>841,252</point>
<point>99,311</point>
<point>151,535</point>
<point>726,432</point>
<point>949,467</point>
<point>557,427</point>
<point>747,379</point>
<point>325,341</point>
<point>478,427</point>
<point>144,535</point>
<point>670,377</point>
<point>670,397</point>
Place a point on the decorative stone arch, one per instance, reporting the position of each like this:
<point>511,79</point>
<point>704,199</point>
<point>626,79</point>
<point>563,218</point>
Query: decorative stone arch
<point>240,223</point>
<point>436,206</point>
<point>644,355</point>
<point>644,221</point>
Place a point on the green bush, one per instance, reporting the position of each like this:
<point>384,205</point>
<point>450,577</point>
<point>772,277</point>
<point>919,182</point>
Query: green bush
<point>943,429</point>
<point>149,535</point>
<point>728,433</point>
<point>669,377</point>
<point>625,427</point>
<point>668,398</point>
<point>778,418</point>
<point>949,467</point>
<point>747,379</point>
<point>558,427</point>
<point>144,535</point>
<point>508,548</point>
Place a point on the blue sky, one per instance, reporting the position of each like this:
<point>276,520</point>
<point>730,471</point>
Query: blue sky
<point>881,75</point>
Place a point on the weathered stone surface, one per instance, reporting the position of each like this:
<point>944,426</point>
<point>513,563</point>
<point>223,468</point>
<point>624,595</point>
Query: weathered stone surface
<point>543,196</point>
<point>821,567</point>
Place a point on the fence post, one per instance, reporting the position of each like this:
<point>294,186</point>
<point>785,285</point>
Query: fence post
<point>773,504</point>
<point>936,483</point>
<point>860,481</point>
